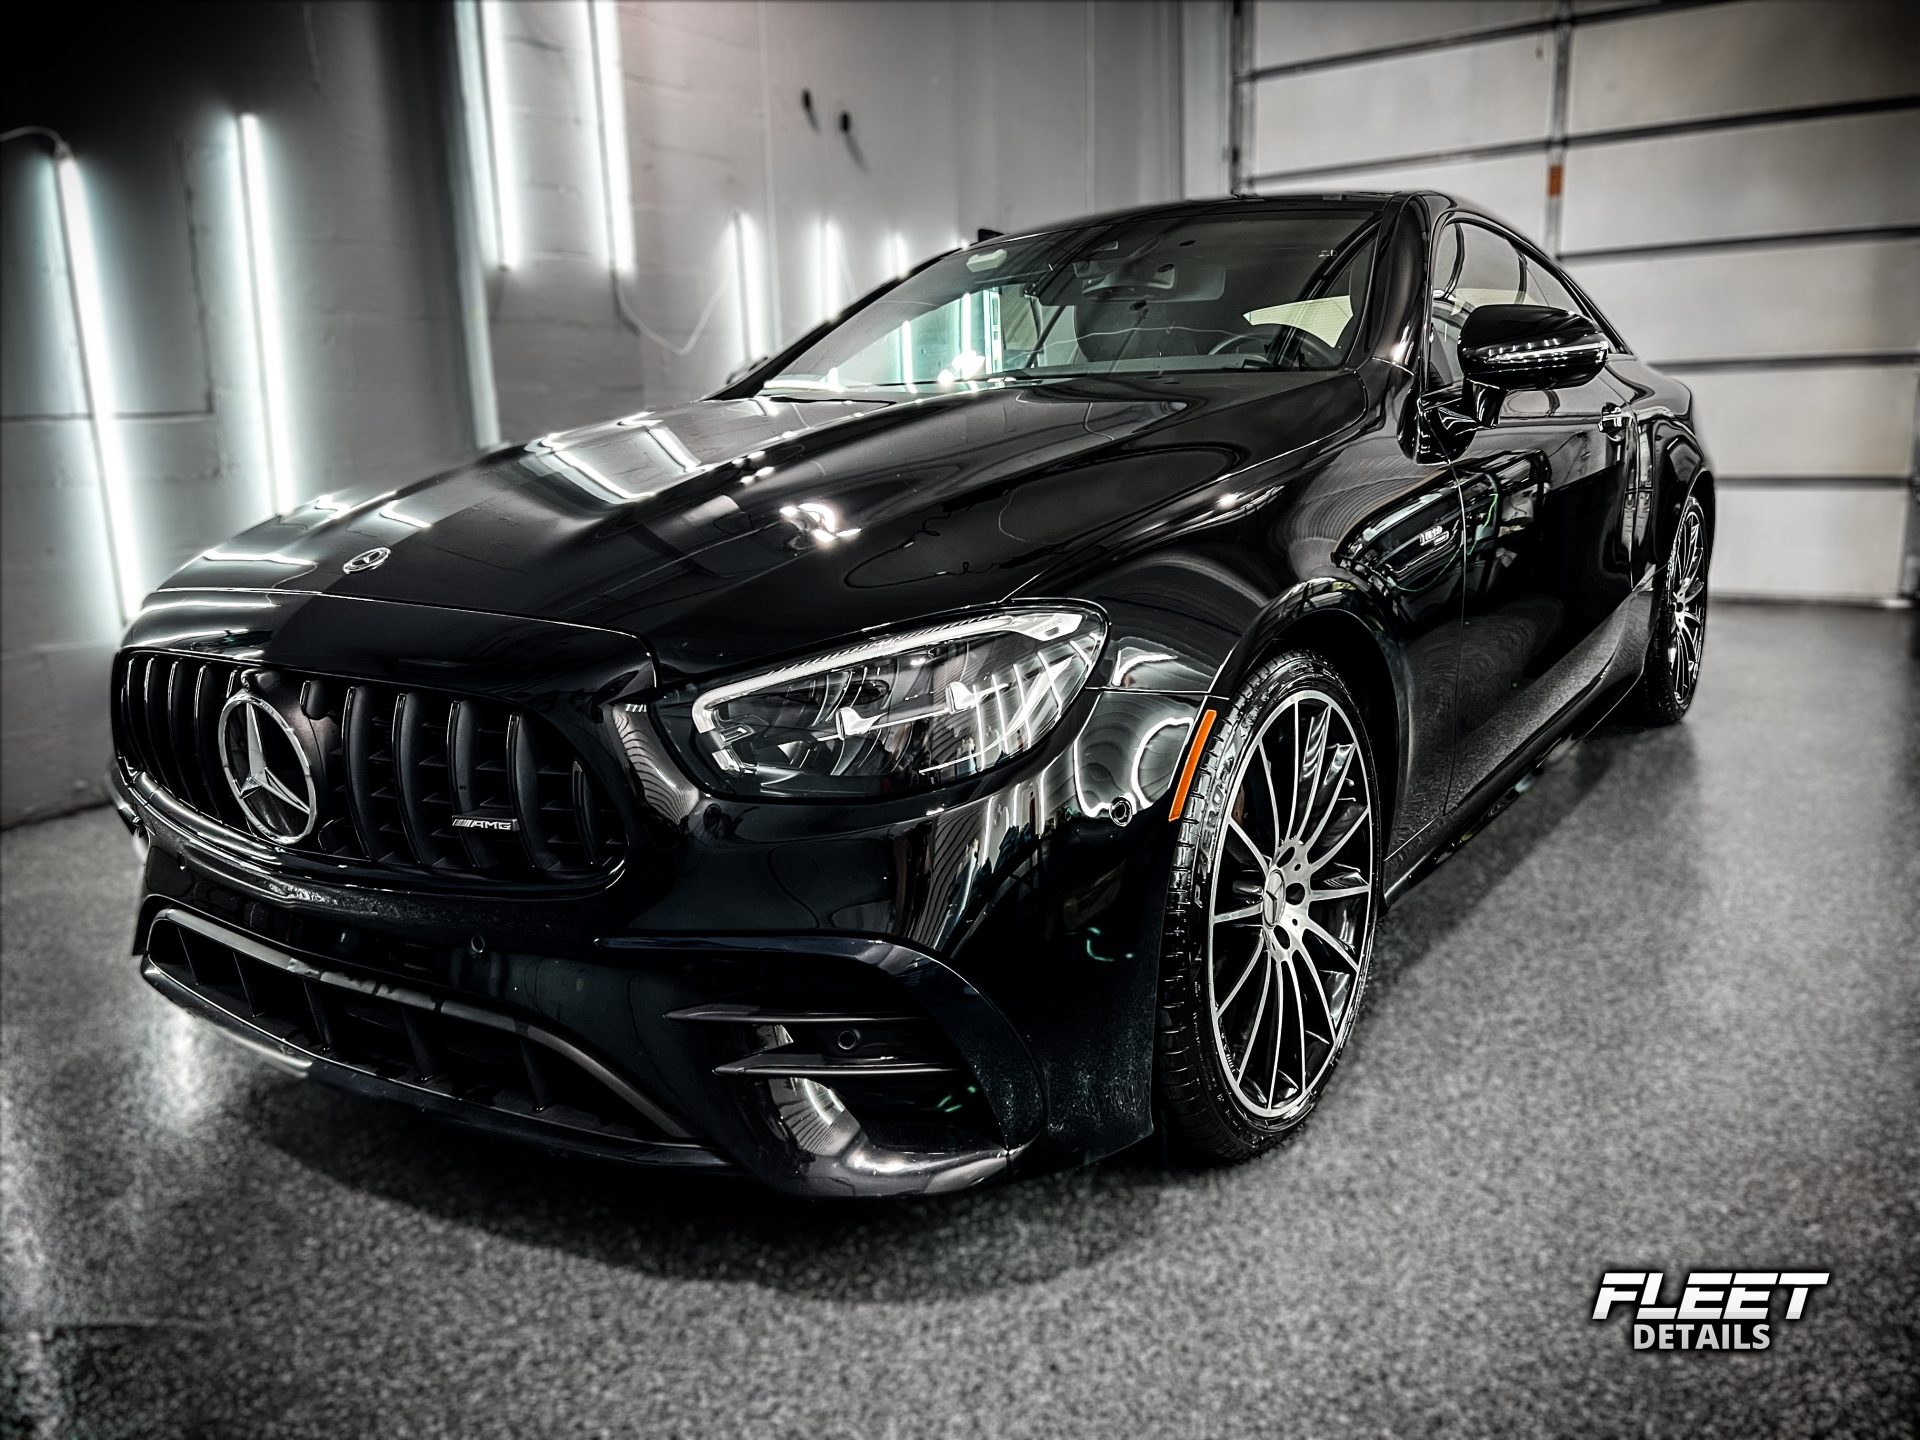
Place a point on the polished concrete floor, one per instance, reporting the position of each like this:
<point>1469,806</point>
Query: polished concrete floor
<point>1664,1015</point>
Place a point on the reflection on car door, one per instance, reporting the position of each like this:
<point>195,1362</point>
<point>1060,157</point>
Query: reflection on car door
<point>1543,489</point>
<point>1403,548</point>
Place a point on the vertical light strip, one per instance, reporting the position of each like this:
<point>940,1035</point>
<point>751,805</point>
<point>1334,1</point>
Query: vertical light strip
<point>829,267</point>
<point>263,286</point>
<point>897,262</point>
<point>906,356</point>
<point>506,197</point>
<point>474,116</point>
<point>263,275</point>
<point>83,270</point>
<point>748,265</point>
<point>604,16</point>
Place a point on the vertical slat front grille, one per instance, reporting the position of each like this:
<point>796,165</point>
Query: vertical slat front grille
<point>407,780</point>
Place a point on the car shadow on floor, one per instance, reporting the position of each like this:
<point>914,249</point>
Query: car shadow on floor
<point>714,1228</point>
<point>704,1228</point>
<point>1440,907</point>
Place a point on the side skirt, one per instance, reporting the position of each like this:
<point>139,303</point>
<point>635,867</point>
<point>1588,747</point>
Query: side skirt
<point>1553,743</point>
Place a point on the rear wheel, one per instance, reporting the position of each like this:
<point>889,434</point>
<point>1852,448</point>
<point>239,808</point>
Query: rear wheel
<point>1679,640</point>
<point>1271,915</point>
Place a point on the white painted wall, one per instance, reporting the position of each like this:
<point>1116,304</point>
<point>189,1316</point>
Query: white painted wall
<point>1739,193</point>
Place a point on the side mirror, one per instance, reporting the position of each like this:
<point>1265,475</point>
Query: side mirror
<point>1530,347</point>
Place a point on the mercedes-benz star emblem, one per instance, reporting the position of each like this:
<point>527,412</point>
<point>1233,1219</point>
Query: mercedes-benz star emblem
<point>267,769</point>
<point>367,560</point>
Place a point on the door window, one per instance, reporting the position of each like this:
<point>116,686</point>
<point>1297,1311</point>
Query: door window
<point>1475,266</point>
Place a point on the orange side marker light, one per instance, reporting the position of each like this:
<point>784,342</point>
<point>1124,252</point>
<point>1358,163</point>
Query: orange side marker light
<point>1200,733</point>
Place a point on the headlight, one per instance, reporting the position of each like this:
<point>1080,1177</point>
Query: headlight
<point>905,712</point>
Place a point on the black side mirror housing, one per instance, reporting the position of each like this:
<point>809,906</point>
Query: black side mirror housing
<point>1530,347</point>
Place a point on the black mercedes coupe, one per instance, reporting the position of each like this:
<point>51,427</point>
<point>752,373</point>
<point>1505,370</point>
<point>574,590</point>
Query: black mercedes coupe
<point>985,733</point>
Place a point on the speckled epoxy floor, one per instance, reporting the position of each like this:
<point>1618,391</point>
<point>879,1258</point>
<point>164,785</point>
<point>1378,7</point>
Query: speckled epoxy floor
<point>1665,1014</point>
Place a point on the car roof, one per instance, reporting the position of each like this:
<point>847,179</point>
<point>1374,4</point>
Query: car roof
<point>1439,201</point>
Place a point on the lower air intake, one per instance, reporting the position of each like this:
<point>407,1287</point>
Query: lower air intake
<point>451,1048</point>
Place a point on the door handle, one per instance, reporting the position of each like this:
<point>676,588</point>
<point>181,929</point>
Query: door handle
<point>1618,417</point>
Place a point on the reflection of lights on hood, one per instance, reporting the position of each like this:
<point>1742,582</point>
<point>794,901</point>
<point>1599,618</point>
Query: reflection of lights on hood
<point>966,364</point>
<point>575,467</point>
<point>583,473</point>
<point>671,447</point>
<point>599,481</point>
<point>819,520</point>
<point>638,418</point>
<point>1229,500</point>
<point>833,378</point>
<point>391,511</point>
<point>250,557</point>
<point>222,604</point>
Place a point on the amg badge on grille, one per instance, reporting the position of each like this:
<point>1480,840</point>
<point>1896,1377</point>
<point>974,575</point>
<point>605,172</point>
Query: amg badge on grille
<point>484,822</point>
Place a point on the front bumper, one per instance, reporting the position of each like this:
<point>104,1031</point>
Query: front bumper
<point>821,1067</point>
<point>890,997</point>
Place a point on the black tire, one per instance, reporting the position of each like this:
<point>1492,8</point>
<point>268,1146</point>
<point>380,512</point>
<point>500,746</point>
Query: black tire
<point>1208,1112</point>
<point>1676,646</point>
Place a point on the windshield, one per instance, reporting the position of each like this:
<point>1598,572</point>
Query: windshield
<point>1272,291</point>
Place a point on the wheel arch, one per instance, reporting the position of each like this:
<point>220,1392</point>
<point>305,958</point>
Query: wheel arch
<point>1684,473</point>
<point>1334,626</point>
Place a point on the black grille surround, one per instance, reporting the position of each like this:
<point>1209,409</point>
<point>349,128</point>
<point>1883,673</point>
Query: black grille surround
<point>395,767</point>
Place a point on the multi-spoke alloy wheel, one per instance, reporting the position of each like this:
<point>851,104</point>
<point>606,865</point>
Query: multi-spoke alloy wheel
<point>1272,913</point>
<point>1687,612</point>
<point>1679,638</point>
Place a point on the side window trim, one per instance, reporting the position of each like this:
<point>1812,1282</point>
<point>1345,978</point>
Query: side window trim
<point>1445,231</point>
<point>1535,255</point>
<point>1528,253</point>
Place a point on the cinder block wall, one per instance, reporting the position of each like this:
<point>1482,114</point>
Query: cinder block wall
<point>960,116</point>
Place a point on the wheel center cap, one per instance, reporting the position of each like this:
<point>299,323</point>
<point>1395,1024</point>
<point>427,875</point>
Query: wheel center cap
<point>1273,898</point>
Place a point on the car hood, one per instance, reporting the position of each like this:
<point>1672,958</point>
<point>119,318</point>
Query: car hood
<point>723,531</point>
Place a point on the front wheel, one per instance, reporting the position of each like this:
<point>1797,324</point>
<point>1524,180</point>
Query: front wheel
<point>1679,640</point>
<point>1271,912</point>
